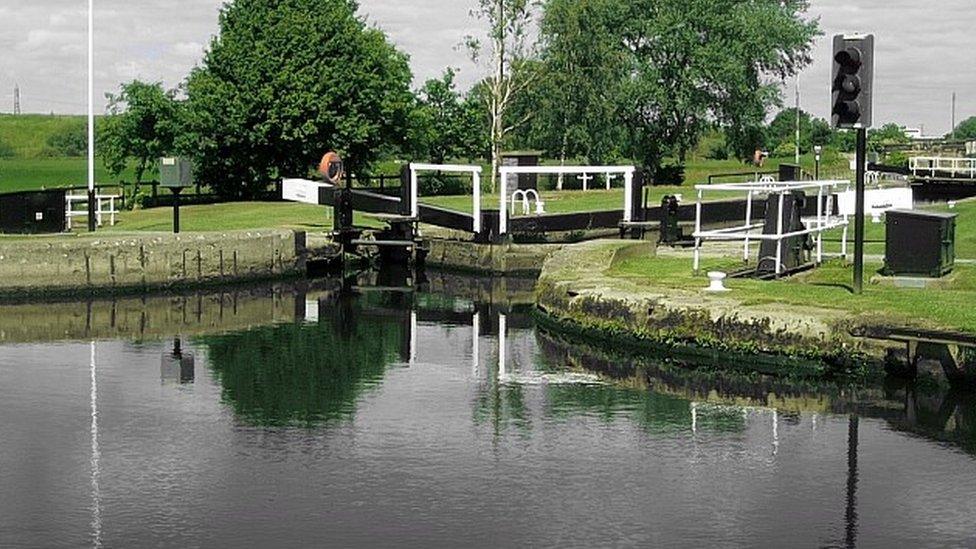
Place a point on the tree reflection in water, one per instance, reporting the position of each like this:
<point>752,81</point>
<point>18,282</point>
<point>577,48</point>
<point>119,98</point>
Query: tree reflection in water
<point>303,374</point>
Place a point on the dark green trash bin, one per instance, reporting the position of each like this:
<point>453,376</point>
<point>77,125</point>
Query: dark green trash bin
<point>920,243</point>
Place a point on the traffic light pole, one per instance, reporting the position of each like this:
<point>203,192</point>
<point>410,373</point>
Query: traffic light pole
<point>859,212</point>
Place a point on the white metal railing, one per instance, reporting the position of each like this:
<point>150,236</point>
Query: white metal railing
<point>475,171</point>
<point>505,171</point>
<point>931,166</point>
<point>528,196</point>
<point>70,211</point>
<point>823,222</point>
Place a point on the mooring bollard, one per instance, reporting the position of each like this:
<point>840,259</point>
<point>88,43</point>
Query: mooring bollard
<point>716,282</point>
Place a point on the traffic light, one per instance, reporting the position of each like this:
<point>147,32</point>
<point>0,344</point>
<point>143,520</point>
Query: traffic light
<point>853,82</point>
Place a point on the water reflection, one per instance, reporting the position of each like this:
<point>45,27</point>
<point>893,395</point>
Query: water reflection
<point>438,416</point>
<point>304,373</point>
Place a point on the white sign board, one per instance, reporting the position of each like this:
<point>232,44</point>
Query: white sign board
<point>877,201</point>
<point>301,190</point>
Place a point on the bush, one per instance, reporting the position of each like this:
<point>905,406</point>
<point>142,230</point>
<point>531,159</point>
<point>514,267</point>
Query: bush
<point>69,141</point>
<point>717,151</point>
<point>6,151</point>
<point>784,150</point>
<point>443,185</point>
<point>670,174</point>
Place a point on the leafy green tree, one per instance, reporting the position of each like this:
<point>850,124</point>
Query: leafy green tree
<point>142,123</point>
<point>696,63</point>
<point>966,129</point>
<point>889,134</point>
<point>577,98</point>
<point>782,129</point>
<point>507,55</point>
<point>449,125</point>
<point>287,80</point>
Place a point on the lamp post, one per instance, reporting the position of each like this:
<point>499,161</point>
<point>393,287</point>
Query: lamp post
<point>91,115</point>
<point>817,152</point>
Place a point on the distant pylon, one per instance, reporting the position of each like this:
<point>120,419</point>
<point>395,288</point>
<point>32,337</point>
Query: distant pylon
<point>16,99</point>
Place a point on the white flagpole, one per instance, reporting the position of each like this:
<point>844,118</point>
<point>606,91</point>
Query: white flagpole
<point>91,115</point>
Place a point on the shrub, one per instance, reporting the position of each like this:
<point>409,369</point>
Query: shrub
<point>69,141</point>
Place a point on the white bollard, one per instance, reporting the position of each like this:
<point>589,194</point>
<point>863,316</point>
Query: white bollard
<point>717,282</point>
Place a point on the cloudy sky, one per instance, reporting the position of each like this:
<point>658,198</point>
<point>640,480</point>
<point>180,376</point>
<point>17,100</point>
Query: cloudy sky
<point>925,49</point>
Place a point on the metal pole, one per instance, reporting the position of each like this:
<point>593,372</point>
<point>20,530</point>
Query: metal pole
<point>797,119</point>
<point>745,252</point>
<point>953,130</point>
<point>859,212</point>
<point>91,115</point>
<point>176,210</point>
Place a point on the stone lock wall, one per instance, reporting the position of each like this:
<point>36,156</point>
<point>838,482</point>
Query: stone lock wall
<point>92,263</point>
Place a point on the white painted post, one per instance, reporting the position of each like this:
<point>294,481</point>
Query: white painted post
<point>820,225</point>
<point>475,336</point>
<point>745,252</point>
<point>477,202</point>
<point>503,202</point>
<point>698,227</point>
<point>414,194</point>
<point>779,232</point>
<point>628,196</point>
<point>413,337</point>
<point>610,177</point>
<point>91,103</point>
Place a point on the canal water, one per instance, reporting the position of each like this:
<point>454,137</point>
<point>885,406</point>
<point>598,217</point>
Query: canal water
<point>341,417</point>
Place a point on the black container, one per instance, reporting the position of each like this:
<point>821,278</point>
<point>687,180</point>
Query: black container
<point>920,243</point>
<point>790,172</point>
<point>35,212</point>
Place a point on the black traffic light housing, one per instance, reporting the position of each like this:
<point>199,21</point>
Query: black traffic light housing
<point>853,81</point>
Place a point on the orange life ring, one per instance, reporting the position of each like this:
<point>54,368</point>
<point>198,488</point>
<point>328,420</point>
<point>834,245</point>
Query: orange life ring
<point>331,168</point>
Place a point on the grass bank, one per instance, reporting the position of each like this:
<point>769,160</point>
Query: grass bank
<point>625,294</point>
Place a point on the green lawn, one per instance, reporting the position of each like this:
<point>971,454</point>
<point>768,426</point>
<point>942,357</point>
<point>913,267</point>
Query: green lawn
<point>573,201</point>
<point>826,287</point>
<point>875,232</point>
<point>234,216</point>
<point>28,174</point>
<point>27,134</point>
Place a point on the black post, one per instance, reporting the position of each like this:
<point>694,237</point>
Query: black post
<point>91,210</point>
<point>176,210</point>
<point>850,513</point>
<point>859,212</point>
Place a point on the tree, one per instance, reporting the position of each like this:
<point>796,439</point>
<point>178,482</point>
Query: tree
<point>889,134</point>
<point>448,124</point>
<point>577,99</point>
<point>142,123</point>
<point>287,80</point>
<point>508,52</point>
<point>782,129</point>
<point>696,63</point>
<point>966,129</point>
